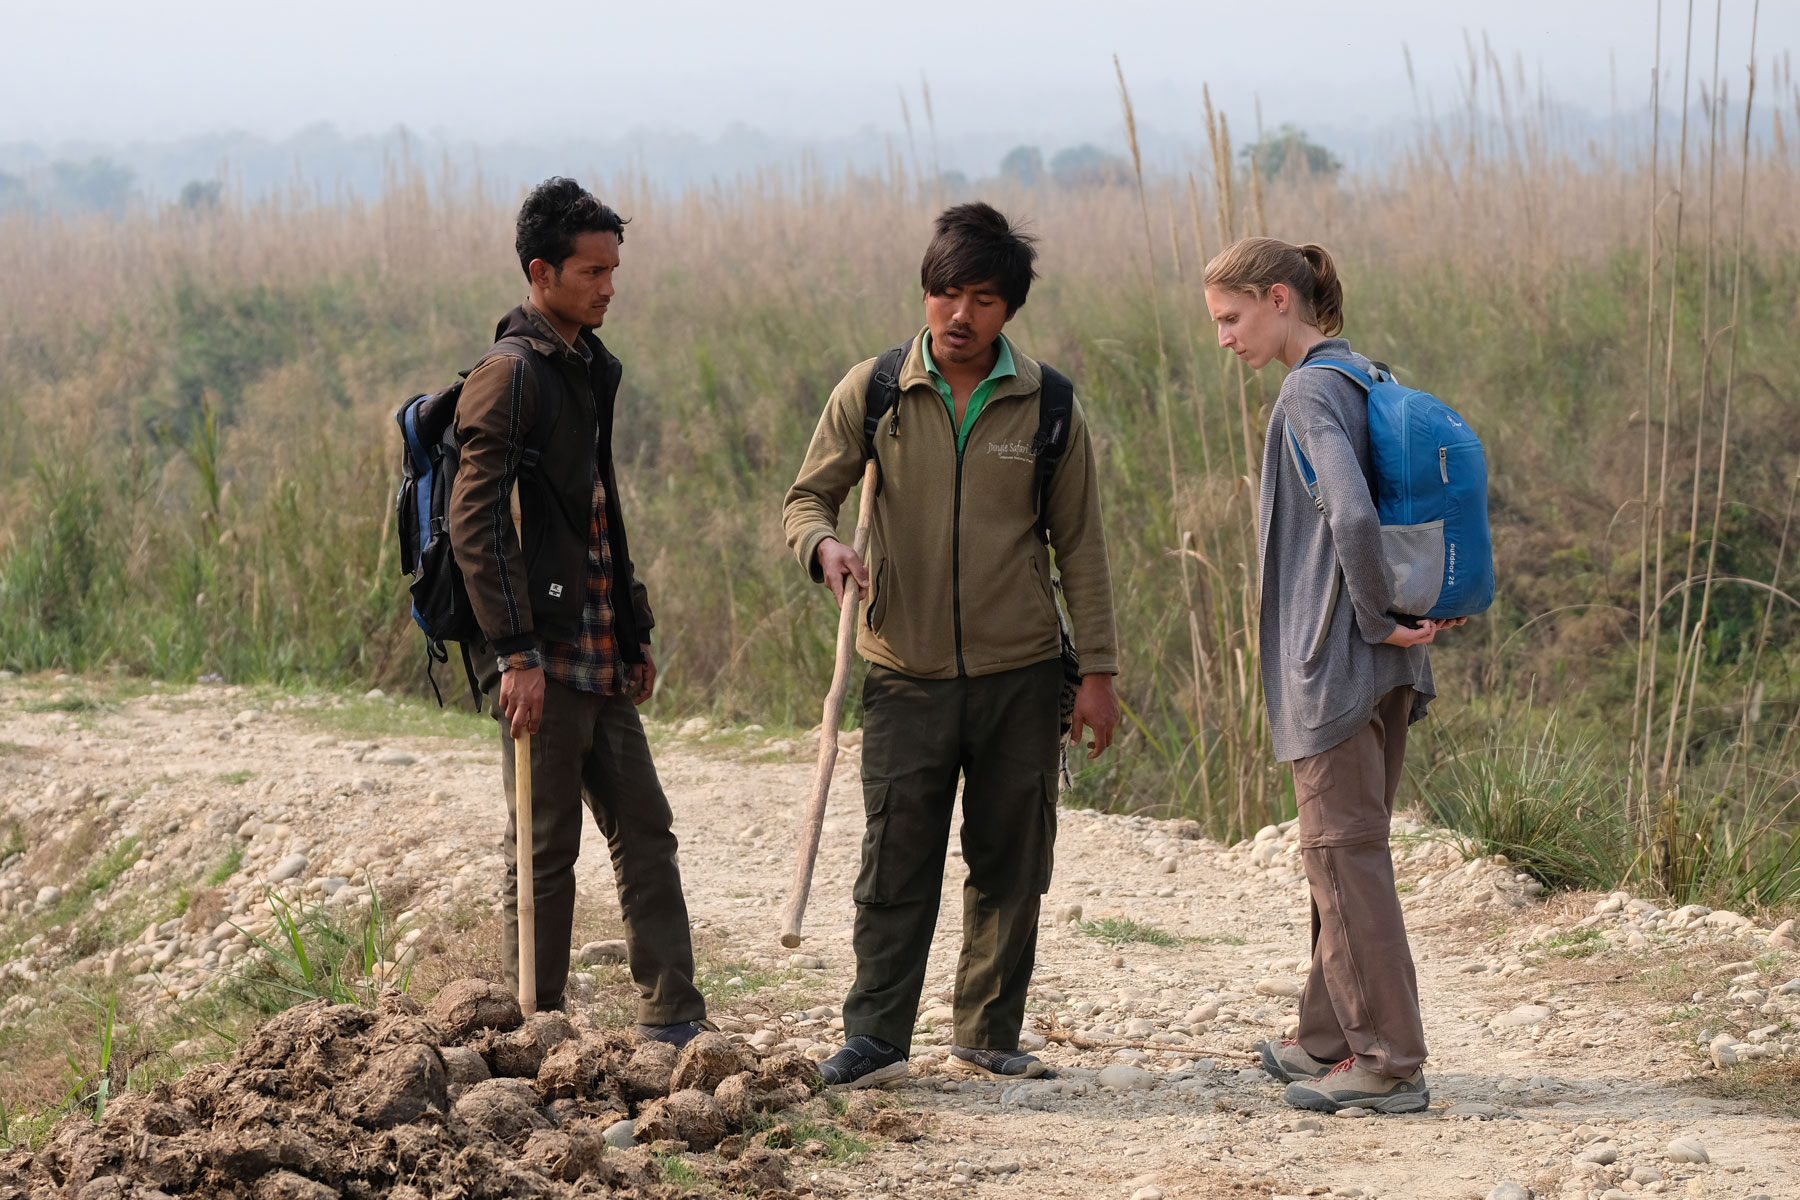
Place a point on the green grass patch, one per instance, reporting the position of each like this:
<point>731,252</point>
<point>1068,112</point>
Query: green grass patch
<point>1121,931</point>
<point>1552,809</point>
<point>228,865</point>
<point>724,983</point>
<point>375,720</point>
<point>676,1170</point>
<point>1217,939</point>
<point>1682,1014</point>
<point>235,778</point>
<point>1577,943</point>
<point>113,864</point>
<point>841,1146</point>
<point>320,953</point>
<point>11,748</point>
<point>740,742</point>
<point>14,843</point>
<point>1772,1087</point>
<point>63,704</point>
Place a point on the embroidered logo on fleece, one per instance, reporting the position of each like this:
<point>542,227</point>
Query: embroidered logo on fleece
<point>1012,451</point>
<point>556,591</point>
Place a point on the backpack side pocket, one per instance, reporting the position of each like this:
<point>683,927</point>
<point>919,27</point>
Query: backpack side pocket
<point>1414,555</point>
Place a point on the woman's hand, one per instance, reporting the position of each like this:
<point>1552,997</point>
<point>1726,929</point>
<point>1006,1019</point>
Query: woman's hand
<point>1404,636</point>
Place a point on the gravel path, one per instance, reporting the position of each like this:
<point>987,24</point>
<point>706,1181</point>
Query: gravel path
<point>1561,1059</point>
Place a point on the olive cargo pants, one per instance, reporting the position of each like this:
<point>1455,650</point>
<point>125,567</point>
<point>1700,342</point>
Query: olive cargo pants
<point>592,747</point>
<point>1000,733</point>
<point>1362,997</point>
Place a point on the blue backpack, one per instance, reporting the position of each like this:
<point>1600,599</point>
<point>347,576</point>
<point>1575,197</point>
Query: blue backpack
<point>1431,494</point>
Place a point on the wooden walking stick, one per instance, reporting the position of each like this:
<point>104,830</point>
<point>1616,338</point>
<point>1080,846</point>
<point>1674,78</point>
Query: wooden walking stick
<point>812,819</point>
<point>526,887</point>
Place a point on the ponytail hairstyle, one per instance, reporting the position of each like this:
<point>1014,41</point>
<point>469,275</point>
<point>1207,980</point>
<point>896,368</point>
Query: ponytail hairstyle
<point>1251,266</point>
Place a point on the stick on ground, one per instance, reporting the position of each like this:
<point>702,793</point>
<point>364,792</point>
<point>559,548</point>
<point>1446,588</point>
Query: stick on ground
<point>527,885</point>
<point>812,818</point>
<point>524,837</point>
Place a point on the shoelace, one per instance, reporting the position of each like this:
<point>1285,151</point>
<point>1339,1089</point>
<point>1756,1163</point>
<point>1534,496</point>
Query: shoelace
<point>1340,1068</point>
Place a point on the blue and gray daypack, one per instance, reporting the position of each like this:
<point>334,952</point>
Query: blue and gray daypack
<point>430,455</point>
<point>1430,492</point>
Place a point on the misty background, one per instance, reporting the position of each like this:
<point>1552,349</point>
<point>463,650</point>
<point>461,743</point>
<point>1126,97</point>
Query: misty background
<point>105,104</point>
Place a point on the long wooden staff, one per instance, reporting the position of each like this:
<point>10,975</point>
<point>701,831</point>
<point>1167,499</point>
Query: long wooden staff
<point>812,819</point>
<point>523,839</point>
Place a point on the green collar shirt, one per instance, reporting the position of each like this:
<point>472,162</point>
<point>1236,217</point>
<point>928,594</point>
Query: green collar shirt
<point>1003,369</point>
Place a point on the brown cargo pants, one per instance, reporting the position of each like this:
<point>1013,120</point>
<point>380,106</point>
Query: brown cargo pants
<point>592,747</point>
<point>999,733</point>
<point>1362,997</point>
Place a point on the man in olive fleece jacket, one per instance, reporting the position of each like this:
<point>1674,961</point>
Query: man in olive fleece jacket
<point>959,625</point>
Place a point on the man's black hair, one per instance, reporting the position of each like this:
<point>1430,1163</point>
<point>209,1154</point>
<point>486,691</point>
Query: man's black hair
<point>976,244</point>
<point>556,212</point>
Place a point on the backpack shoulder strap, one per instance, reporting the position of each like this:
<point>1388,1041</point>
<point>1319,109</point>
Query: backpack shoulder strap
<point>1307,475</point>
<point>550,394</point>
<point>882,399</point>
<point>1056,410</point>
<point>1356,375</point>
<point>1349,370</point>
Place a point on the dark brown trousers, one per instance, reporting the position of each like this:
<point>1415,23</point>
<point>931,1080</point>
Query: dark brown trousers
<point>1362,997</point>
<point>999,733</point>
<point>593,747</point>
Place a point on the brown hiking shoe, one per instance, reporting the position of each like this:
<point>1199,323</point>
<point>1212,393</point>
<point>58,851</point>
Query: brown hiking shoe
<point>1286,1061</point>
<point>1350,1086</point>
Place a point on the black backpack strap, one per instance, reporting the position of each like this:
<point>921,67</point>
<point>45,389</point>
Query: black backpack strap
<point>468,673</point>
<point>1056,411</point>
<point>883,400</point>
<point>550,395</point>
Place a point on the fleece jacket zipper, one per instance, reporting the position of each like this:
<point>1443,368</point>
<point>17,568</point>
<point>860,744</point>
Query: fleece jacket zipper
<point>961,444</point>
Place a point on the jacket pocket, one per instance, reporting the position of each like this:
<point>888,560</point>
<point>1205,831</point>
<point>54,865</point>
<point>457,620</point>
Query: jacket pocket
<point>1414,555</point>
<point>872,884</point>
<point>1312,637</point>
<point>1332,682</point>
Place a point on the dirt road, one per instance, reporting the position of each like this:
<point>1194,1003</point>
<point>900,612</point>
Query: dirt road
<point>1567,1045</point>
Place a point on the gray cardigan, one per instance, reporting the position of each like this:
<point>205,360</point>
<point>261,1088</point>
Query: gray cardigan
<point>1324,610</point>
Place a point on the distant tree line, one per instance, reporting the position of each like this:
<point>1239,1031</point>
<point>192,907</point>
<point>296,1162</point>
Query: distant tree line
<point>99,186</point>
<point>1286,150</point>
<point>1085,165</point>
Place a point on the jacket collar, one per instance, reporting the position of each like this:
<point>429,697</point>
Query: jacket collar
<point>553,343</point>
<point>1028,377</point>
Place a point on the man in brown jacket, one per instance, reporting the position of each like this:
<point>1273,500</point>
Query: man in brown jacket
<point>566,622</point>
<point>960,628</point>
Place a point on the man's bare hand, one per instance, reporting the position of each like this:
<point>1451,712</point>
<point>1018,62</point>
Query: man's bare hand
<point>837,560</point>
<point>522,699</point>
<point>640,681</point>
<point>1097,710</point>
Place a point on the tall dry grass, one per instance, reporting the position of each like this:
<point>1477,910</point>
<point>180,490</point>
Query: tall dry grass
<point>197,451</point>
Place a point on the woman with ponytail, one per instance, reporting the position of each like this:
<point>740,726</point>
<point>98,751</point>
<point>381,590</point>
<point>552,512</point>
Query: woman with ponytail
<point>1342,679</point>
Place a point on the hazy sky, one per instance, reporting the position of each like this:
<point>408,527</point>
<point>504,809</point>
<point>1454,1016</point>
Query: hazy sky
<point>115,71</point>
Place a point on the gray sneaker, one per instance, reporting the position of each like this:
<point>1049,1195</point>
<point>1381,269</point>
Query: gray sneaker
<point>1005,1064</point>
<point>1287,1061</point>
<point>865,1062</point>
<point>1350,1086</point>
